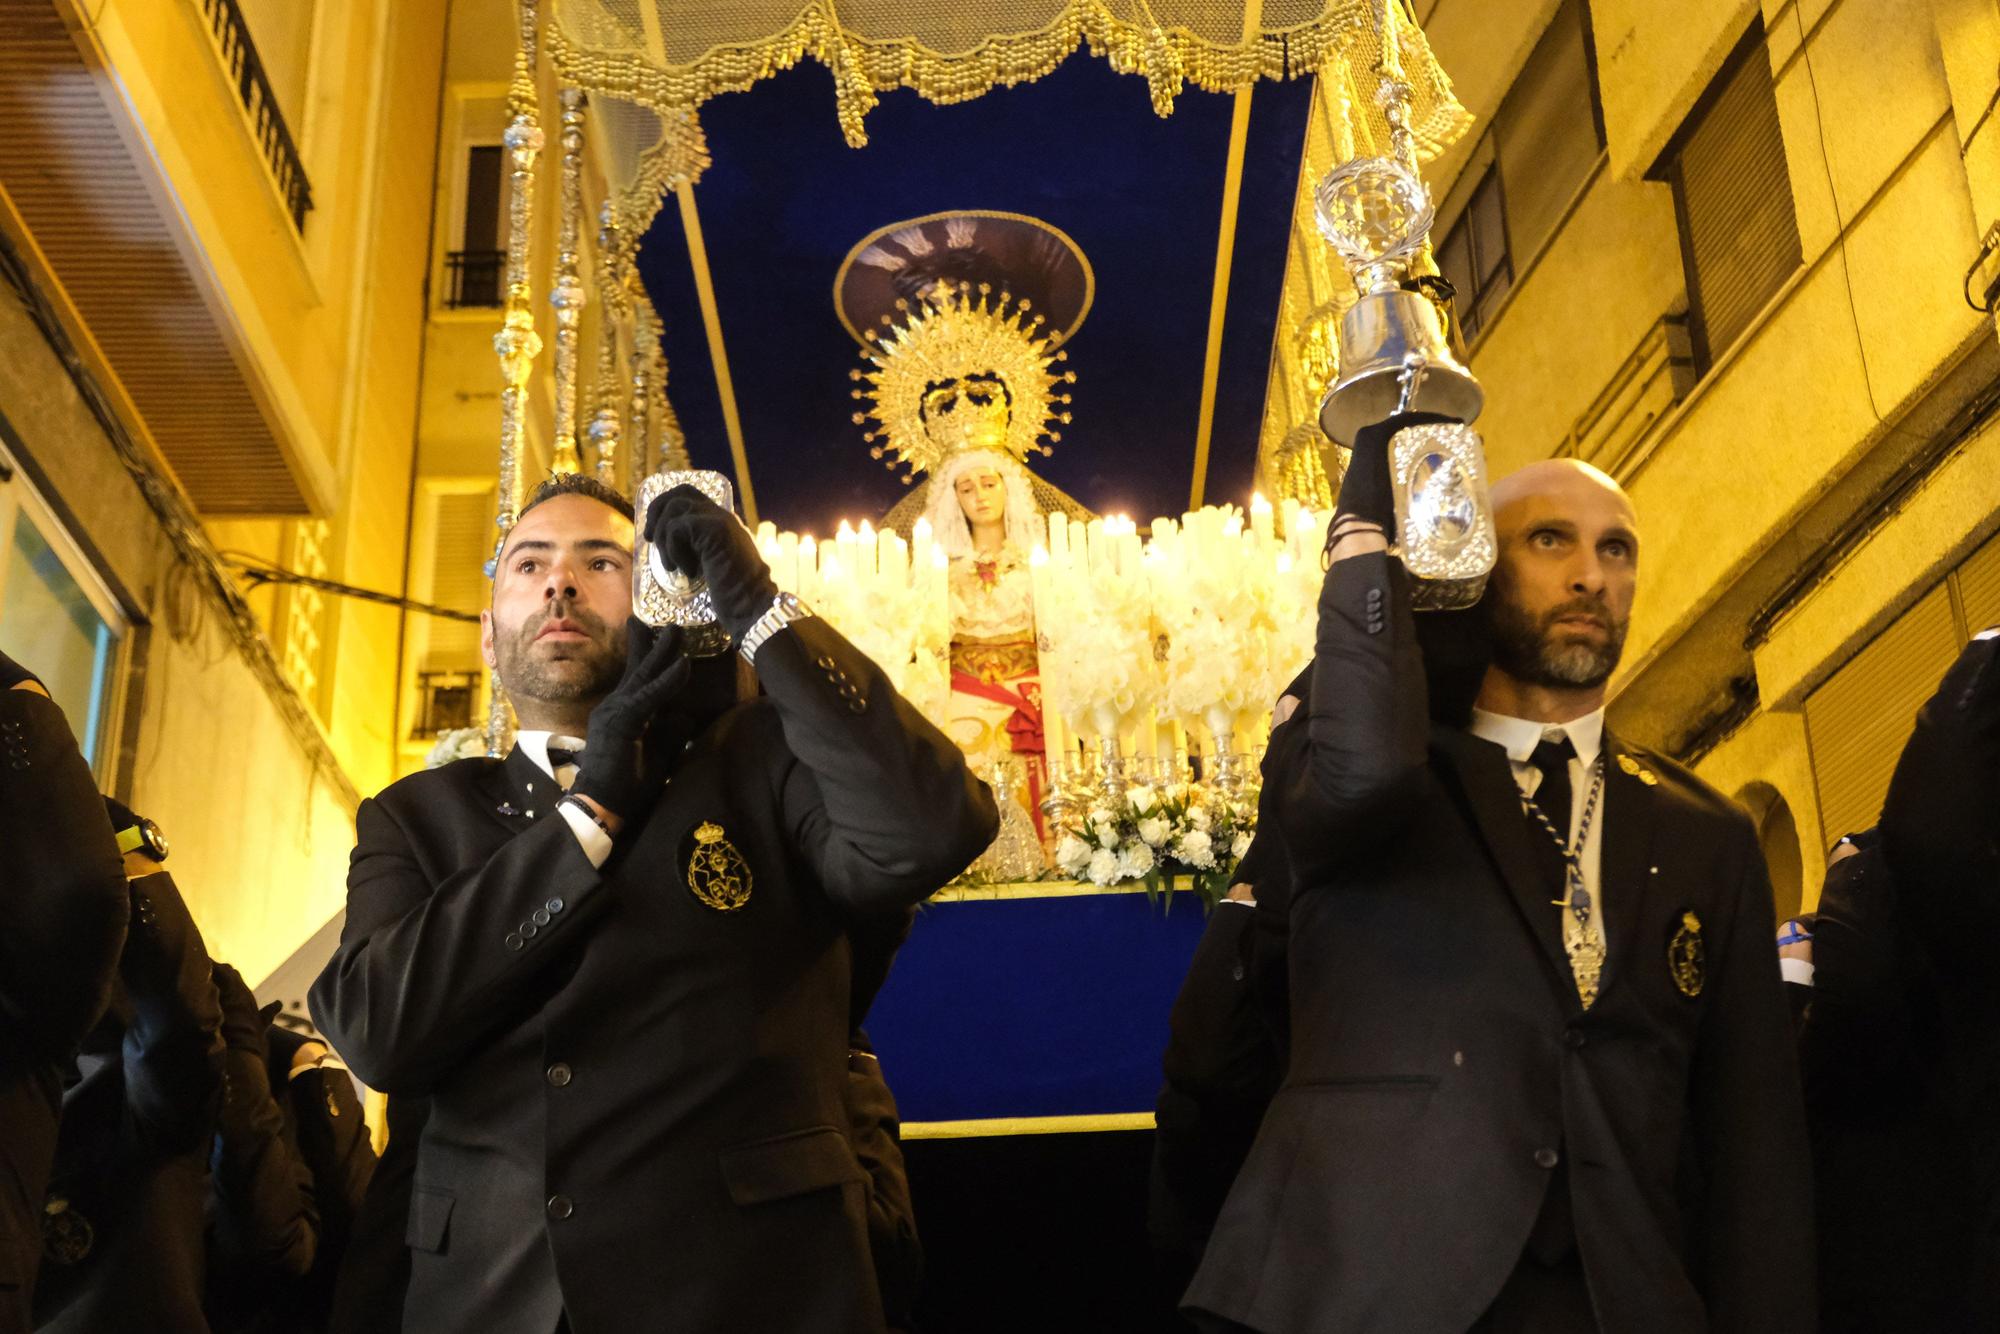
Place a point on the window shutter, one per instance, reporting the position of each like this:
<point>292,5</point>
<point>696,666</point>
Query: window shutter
<point>1859,719</point>
<point>1735,196</point>
<point>1979,588</point>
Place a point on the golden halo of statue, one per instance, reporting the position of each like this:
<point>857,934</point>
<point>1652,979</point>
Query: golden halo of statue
<point>961,317</point>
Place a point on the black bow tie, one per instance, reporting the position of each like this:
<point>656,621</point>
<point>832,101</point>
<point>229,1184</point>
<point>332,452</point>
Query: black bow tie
<point>562,755</point>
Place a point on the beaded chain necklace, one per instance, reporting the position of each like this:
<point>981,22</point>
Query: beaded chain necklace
<point>1586,954</point>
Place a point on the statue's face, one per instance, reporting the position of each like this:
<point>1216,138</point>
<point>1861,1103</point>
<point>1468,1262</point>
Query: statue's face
<point>982,495</point>
<point>968,413</point>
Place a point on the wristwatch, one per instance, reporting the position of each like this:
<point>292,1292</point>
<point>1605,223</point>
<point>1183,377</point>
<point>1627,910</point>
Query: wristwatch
<point>144,838</point>
<point>785,608</point>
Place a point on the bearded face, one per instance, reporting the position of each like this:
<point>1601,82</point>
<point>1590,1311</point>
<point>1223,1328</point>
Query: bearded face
<point>1575,643</point>
<point>579,661</point>
<point>562,591</point>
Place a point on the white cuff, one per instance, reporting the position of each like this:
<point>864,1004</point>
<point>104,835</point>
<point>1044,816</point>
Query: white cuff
<point>1798,971</point>
<point>595,842</point>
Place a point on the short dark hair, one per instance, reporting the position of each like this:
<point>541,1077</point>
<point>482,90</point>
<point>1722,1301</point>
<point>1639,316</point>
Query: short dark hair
<point>576,484</point>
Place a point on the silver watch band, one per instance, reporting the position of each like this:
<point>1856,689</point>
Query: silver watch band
<point>785,608</point>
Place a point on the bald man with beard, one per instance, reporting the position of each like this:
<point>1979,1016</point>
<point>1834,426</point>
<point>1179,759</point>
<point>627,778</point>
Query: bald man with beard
<point>1540,1075</point>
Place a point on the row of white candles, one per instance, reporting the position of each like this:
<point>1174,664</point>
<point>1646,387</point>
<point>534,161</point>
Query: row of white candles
<point>1096,583</point>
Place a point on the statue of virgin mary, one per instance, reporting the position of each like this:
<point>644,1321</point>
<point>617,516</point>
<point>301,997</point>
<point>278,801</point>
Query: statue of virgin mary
<point>961,317</point>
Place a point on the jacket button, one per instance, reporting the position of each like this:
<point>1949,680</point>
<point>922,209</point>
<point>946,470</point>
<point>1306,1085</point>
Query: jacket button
<point>857,706</point>
<point>514,942</point>
<point>540,917</point>
<point>824,662</point>
<point>560,1074</point>
<point>554,905</point>
<point>560,1206</point>
<point>1543,1158</point>
<point>528,930</point>
<point>1573,1038</point>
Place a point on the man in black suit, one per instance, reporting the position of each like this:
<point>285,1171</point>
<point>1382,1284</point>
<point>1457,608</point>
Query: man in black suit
<point>123,1227</point>
<point>1900,1046</point>
<point>291,1162</point>
<point>66,908</point>
<point>1540,1073</point>
<point>1225,1052</point>
<point>628,1002</point>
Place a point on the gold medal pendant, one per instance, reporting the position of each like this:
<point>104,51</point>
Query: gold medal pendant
<point>717,874</point>
<point>1686,959</point>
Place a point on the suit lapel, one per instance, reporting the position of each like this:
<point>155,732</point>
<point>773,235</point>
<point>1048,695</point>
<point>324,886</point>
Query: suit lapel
<point>516,793</point>
<point>1625,864</point>
<point>1487,782</point>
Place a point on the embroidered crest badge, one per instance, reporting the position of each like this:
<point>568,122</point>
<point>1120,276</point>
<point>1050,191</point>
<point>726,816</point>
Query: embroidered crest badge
<point>1686,959</point>
<point>717,874</point>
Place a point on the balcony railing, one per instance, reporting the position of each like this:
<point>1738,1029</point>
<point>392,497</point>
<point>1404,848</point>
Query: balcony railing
<point>475,277</point>
<point>253,89</point>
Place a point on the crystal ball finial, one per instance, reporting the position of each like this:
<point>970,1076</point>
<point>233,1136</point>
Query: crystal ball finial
<point>1372,210</point>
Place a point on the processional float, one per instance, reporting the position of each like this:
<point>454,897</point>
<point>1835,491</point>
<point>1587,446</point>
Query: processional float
<point>1132,661</point>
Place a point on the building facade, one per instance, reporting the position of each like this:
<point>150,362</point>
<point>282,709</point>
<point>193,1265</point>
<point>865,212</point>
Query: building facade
<point>249,407</point>
<point>1736,255</point>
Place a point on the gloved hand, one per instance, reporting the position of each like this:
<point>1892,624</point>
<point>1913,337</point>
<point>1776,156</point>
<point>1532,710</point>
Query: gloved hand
<point>614,773</point>
<point>243,1024</point>
<point>1365,491</point>
<point>703,540</point>
<point>13,673</point>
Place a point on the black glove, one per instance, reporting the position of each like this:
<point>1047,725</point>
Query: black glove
<point>703,540</point>
<point>1365,489</point>
<point>614,772</point>
<point>13,673</point>
<point>243,1024</point>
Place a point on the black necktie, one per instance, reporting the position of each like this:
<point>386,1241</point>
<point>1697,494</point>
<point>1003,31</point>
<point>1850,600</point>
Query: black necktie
<point>561,755</point>
<point>1552,756</point>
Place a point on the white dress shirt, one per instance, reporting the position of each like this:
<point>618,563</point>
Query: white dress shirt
<point>595,842</point>
<point>1519,737</point>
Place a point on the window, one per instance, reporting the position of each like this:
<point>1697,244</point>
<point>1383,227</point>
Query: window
<point>477,263</point>
<point>56,618</point>
<point>1474,257</point>
<point>1549,131</point>
<point>1733,199</point>
<point>1544,142</point>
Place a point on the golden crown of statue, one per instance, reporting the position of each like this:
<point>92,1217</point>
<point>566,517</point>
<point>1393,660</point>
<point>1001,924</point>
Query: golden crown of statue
<point>963,366</point>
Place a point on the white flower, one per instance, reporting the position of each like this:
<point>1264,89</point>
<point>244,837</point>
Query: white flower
<point>1240,846</point>
<point>1134,860</point>
<point>1143,799</point>
<point>1197,817</point>
<point>1196,850</point>
<point>461,743</point>
<point>1103,817</point>
<point>1103,866</point>
<point>1155,830</point>
<point>1072,854</point>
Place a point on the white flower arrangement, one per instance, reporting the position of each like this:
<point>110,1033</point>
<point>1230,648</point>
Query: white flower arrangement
<point>460,743</point>
<point>1151,835</point>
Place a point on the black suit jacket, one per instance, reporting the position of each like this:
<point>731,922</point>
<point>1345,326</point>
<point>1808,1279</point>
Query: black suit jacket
<point>1441,1066</point>
<point>132,1155</point>
<point>1901,1044</point>
<point>636,1098</point>
<point>64,888</point>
